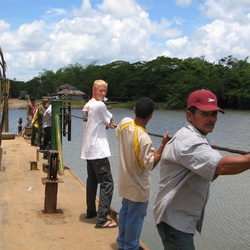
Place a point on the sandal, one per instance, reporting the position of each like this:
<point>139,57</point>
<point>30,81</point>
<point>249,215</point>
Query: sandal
<point>107,224</point>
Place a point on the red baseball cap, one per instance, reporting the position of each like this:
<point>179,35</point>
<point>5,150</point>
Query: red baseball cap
<point>204,100</point>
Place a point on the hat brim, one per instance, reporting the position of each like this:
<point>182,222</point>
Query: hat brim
<point>210,108</point>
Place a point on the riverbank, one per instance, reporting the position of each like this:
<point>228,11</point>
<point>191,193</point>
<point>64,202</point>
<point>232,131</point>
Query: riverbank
<point>15,103</point>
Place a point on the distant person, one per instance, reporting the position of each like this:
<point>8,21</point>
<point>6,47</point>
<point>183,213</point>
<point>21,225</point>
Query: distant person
<point>137,159</point>
<point>30,110</point>
<point>35,129</point>
<point>188,165</point>
<point>41,109</point>
<point>95,149</point>
<point>47,117</point>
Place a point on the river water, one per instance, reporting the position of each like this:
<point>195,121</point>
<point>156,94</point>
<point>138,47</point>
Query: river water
<point>227,217</point>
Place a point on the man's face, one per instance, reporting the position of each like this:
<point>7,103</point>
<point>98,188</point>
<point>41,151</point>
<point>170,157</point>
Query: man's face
<point>99,93</point>
<point>204,121</point>
<point>44,102</point>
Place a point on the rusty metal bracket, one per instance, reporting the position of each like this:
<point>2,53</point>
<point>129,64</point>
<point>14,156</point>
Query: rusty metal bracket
<point>51,182</point>
<point>50,200</point>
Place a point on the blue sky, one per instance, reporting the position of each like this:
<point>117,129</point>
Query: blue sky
<point>38,35</point>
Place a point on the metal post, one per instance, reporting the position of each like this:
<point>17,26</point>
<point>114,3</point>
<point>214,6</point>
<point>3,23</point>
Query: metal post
<point>51,184</point>
<point>20,125</point>
<point>56,138</point>
<point>6,114</point>
<point>50,200</point>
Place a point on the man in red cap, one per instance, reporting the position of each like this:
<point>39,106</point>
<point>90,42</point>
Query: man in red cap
<point>188,165</point>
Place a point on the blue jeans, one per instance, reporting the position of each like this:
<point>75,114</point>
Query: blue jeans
<point>131,219</point>
<point>173,239</point>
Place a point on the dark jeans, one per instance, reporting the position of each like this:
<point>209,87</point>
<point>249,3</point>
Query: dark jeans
<point>174,239</point>
<point>47,138</point>
<point>99,172</point>
<point>35,137</point>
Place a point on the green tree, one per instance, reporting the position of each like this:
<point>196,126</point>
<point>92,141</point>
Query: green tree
<point>164,79</point>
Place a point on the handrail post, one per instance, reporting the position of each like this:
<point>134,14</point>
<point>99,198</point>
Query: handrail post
<point>56,138</point>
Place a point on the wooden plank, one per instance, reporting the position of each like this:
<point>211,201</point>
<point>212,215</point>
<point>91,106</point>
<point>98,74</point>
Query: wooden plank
<point>7,136</point>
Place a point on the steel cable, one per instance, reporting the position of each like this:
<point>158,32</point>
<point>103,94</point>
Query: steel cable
<point>231,150</point>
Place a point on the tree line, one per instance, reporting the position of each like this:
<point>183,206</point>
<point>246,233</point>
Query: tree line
<point>164,79</point>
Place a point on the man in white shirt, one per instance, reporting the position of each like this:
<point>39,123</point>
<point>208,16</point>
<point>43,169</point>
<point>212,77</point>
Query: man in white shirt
<point>47,116</point>
<point>95,149</point>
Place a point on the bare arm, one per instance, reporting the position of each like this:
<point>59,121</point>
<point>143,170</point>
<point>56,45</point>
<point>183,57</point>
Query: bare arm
<point>157,154</point>
<point>28,111</point>
<point>111,124</point>
<point>230,165</point>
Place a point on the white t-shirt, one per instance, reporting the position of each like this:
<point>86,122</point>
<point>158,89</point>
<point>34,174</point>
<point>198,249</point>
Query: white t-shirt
<point>95,143</point>
<point>47,117</point>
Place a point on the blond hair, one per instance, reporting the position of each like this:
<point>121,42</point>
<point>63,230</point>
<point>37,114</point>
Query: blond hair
<point>98,83</point>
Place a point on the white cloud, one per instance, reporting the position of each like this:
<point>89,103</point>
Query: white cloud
<point>4,26</point>
<point>184,3</point>
<point>121,9</point>
<point>31,36</point>
<point>216,40</point>
<point>54,12</point>
<point>164,29</point>
<point>230,11</point>
<point>121,30</point>
<point>177,43</point>
<point>84,10</point>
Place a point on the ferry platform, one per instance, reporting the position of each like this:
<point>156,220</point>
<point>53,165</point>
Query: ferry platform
<point>23,223</point>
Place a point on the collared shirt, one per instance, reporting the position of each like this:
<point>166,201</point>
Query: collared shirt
<point>95,143</point>
<point>188,165</point>
<point>136,161</point>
